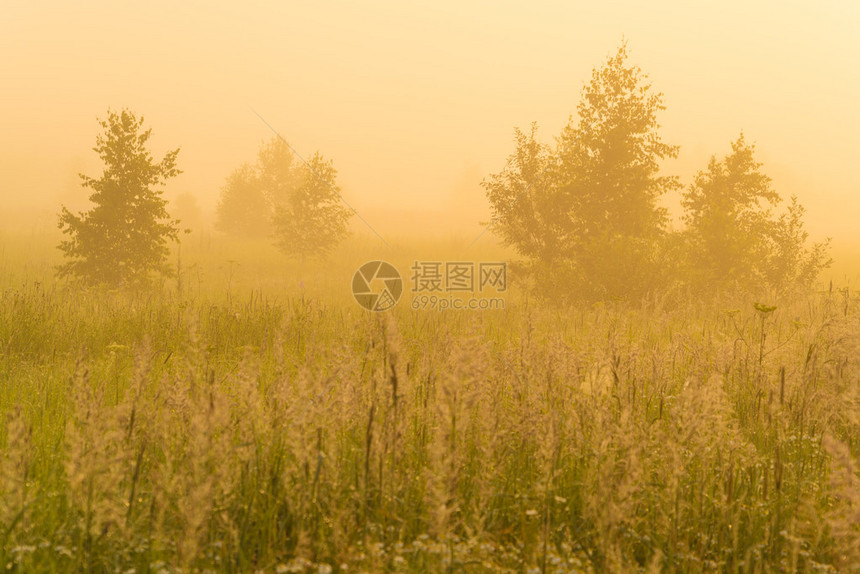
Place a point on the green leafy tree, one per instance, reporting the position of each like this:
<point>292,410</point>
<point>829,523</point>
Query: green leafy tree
<point>278,170</point>
<point>525,205</point>
<point>733,235</point>
<point>587,217</point>
<point>243,209</point>
<point>309,218</point>
<point>728,211</point>
<point>792,261</point>
<point>610,174</point>
<point>296,203</point>
<point>123,239</point>
<point>529,212</point>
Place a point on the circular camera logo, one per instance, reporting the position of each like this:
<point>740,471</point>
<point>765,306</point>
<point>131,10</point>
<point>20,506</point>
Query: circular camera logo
<point>377,286</point>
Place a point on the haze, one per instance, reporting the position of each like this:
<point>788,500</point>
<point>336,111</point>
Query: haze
<point>416,102</point>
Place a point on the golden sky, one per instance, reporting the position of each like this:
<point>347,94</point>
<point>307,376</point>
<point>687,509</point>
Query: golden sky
<point>416,101</point>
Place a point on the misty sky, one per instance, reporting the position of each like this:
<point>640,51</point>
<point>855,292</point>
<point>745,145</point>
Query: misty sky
<point>416,101</point>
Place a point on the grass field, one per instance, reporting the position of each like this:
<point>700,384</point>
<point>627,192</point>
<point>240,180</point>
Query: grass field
<point>254,418</point>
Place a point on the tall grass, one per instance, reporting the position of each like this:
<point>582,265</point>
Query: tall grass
<point>239,425</point>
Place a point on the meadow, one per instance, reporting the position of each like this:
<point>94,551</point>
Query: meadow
<point>252,417</point>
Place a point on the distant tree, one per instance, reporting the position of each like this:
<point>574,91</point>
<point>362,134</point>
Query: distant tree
<point>123,238</point>
<point>243,209</point>
<point>792,262</point>
<point>278,170</point>
<point>733,235</point>
<point>728,212</point>
<point>309,218</point>
<point>589,213</point>
<point>529,211</point>
<point>297,204</point>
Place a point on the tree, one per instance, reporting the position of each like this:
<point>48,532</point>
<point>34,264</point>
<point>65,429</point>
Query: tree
<point>732,233</point>
<point>528,210</point>
<point>123,238</point>
<point>309,218</point>
<point>243,209</point>
<point>609,164</point>
<point>279,171</point>
<point>727,211</point>
<point>593,205</point>
<point>792,263</point>
<point>296,203</point>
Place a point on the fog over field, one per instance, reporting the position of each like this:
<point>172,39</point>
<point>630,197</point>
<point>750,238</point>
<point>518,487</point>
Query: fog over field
<point>429,286</point>
<point>415,103</point>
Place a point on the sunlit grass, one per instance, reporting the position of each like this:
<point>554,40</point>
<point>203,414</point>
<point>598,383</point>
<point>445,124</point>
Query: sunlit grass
<point>256,418</point>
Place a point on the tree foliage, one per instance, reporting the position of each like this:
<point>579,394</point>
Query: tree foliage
<point>733,234</point>
<point>123,239</point>
<point>587,214</point>
<point>309,218</point>
<point>296,203</point>
<point>527,209</point>
<point>792,261</point>
<point>243,209</point>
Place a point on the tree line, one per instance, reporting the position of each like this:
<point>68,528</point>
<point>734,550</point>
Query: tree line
<point>583,213</point>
